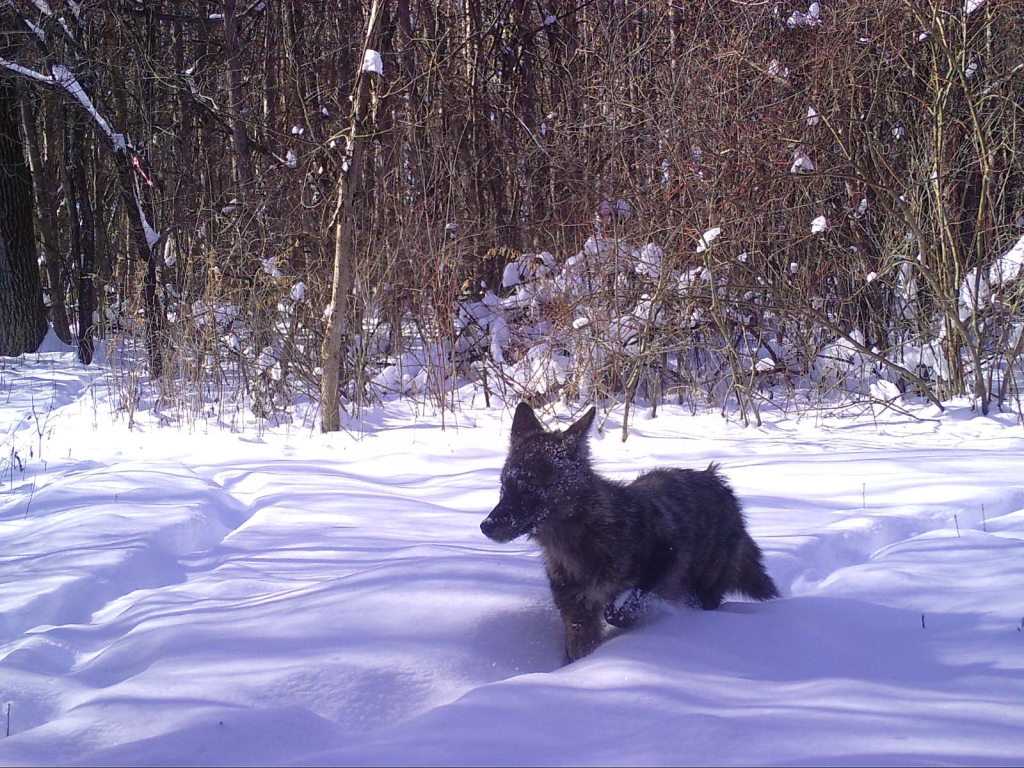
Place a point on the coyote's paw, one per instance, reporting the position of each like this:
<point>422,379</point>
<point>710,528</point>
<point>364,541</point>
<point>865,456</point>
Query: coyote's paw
<point>628,608</point>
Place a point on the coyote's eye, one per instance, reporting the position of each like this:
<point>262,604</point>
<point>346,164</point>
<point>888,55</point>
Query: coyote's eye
<point>531,488</point>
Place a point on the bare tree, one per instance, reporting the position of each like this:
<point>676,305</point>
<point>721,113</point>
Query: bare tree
<point>339,319</point>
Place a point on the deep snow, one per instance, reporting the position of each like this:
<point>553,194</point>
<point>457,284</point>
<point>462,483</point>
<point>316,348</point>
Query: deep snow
<point>196,596</point>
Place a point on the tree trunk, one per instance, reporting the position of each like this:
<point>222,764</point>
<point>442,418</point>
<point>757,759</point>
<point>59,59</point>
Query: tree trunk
<point>239,133</point>
<point>46,215</point>
<point>344,236</point>
<point>83,234</point>
<point>22,313</point>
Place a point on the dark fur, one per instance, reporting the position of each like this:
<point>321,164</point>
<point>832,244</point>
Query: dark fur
<point>608,546</point>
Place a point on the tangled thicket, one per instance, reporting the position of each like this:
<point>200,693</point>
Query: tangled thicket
<point>713,202</point>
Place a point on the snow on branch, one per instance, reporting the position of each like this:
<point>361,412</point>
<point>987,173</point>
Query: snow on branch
<point>372,62</point>
<point>36,30</point>
<point>25,71</point>
<point>63,77</point>
<point>810,19</point>
<point>152,236</point>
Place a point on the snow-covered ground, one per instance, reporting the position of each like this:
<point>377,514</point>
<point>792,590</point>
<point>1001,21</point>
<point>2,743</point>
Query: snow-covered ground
<point>197,597</point>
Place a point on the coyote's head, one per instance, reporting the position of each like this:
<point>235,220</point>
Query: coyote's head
<point>543,473</point>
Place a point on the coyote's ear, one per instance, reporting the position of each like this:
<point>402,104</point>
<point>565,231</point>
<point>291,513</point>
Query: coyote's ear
<point>525,424</point>
<point>577,433</point>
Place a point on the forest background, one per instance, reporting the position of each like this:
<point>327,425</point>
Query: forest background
<point>715,203</point>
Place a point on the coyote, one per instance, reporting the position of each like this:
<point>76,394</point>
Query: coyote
<point>608,547</point>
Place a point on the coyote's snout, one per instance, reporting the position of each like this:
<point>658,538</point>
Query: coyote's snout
<point>608,546</point>
<point>502,525</point>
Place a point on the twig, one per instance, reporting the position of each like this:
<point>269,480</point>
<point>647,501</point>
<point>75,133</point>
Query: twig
<point>31,493</point>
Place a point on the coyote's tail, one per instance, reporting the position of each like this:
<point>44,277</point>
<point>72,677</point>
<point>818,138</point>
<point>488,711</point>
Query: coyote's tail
<point>754,581</point>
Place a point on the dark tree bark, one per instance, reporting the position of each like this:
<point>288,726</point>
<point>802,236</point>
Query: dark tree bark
<point>44,183</point>
<point>83,234</point>
<point>239,133</point>
<point>22,314</point>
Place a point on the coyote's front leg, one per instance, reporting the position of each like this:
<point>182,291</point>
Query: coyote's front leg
<point>582,636</point>
<point>583,616</point>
